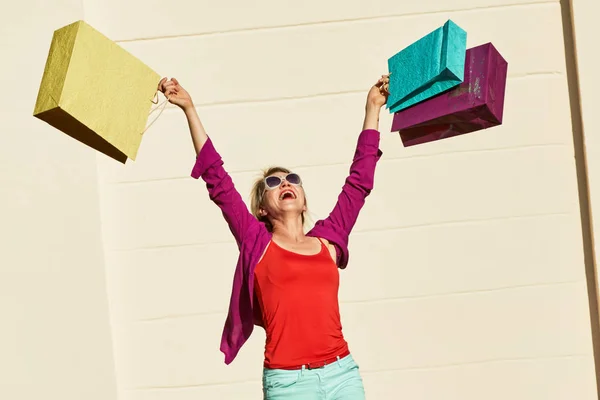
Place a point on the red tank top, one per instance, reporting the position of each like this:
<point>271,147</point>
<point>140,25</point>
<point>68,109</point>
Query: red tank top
<point>298,297</point>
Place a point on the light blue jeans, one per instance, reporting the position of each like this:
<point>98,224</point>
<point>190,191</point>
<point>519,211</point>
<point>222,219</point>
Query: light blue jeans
<point>337,381</point>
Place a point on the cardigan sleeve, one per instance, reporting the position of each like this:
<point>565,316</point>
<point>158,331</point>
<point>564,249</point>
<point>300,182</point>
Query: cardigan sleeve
<point>358,185</point>
<point>222,191</point>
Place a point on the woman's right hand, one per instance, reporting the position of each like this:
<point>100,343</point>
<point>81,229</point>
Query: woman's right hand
<point>176,93</point>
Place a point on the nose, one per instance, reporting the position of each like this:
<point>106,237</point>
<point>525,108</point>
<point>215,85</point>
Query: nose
<point>284,182</point>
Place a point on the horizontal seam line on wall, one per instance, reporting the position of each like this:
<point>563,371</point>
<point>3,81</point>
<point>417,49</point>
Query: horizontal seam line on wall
<point>174,246</point>
<point>334,22</point>
<point>340,164</point>
<point>478,362</point>
<point>474,221</point>
<point>206,105</point>
<point>374,301</point>
<point>367,372</point>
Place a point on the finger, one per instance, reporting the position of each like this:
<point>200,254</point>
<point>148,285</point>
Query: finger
<point>167,87</point>
<point>175,81</point>
<point>160,84</point>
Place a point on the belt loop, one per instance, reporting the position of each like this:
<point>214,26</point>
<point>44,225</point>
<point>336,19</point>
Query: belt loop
<point>339,362</point>
<point>302,370</point>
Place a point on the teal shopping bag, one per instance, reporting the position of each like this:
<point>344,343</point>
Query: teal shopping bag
<point>428,67</point>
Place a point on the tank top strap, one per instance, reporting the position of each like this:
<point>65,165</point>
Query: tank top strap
<point>323,245</point>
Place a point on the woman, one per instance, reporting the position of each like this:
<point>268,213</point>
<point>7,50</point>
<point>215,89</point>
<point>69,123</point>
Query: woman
<point>287,281</point>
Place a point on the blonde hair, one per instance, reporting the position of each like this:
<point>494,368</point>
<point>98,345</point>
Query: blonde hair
<point>257,196</point>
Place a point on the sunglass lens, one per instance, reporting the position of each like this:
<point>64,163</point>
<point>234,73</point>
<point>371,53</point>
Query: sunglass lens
<point>273,181</point>
<point>292,178</point>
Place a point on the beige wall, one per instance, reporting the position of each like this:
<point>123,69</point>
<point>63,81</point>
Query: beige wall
<point>585,27</point>
<point>584,30</point>
<point>55,336</point>
<point>467,275</point>
<point>585,54</point>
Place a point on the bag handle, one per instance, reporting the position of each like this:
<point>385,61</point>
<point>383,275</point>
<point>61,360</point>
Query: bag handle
<point>162,106</point>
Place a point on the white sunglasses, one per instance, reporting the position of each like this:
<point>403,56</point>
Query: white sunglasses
<point>274,181</point>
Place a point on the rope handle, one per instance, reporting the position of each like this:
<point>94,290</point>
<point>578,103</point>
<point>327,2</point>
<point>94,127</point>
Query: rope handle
<point>162,107</point>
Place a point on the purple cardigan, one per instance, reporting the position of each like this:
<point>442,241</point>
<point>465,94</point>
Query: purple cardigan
<point>252,236</point>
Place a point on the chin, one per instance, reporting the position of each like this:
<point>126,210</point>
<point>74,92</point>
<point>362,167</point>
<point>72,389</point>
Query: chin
<point>292,207</point>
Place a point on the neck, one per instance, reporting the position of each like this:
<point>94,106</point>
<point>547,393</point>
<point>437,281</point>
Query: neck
<point>289,229</point>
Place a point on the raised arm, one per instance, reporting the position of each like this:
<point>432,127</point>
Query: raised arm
<point>209,166</point>
<point>337,226</point>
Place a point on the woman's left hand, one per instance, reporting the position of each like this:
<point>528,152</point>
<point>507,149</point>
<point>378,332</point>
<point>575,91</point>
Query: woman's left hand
<point>379,92</point>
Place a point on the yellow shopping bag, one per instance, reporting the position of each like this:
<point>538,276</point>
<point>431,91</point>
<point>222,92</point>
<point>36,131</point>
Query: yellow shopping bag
<point>95,91</point>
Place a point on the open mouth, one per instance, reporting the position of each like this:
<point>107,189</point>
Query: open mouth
<point>287,195</point>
